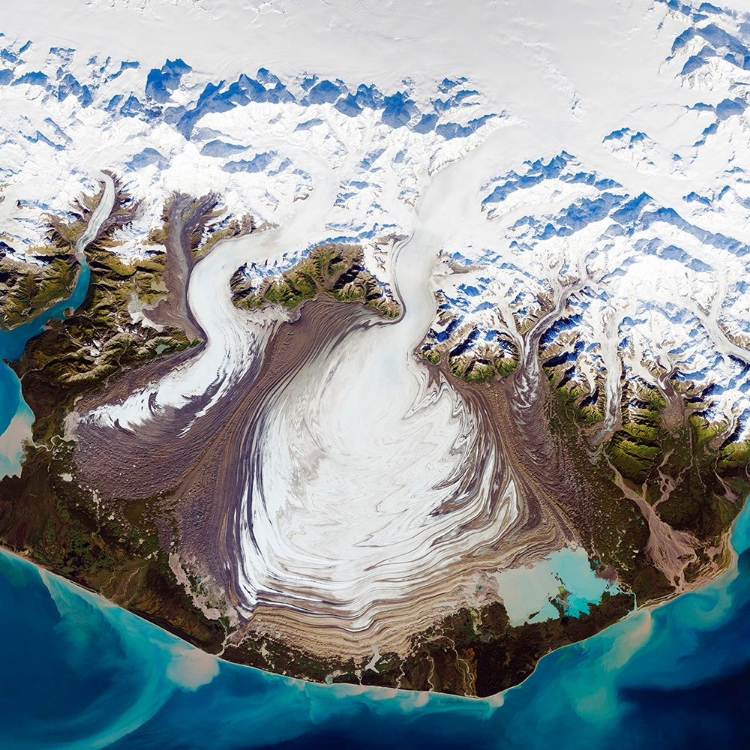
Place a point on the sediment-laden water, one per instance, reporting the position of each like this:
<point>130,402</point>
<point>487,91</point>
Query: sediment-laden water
<point>14,413</point>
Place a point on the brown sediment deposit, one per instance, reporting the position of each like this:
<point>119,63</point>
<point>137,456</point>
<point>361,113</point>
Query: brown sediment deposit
<point>117,462</point>
<point>168,492</point>
<point>537,467</point>
<point>159,455</point>
<point>190,481</point>
<point>201,467</point>
<point>183,217</point>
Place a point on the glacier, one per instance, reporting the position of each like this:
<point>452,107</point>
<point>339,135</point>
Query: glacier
<point>559,203</point>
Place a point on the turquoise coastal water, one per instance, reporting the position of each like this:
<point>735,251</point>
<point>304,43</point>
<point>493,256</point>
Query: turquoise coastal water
<point>13,342</point>
<point>14,411</point>
<point>527,592</point>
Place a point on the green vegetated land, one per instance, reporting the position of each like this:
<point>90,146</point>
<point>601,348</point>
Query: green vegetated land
<point>125,556</point>
<point>482,365</point>
<point>222,227</point>
<point>334,269</point>
<point>612,528</point>
<point>474,362</point>
<point>204,221</point>
<point>709,473</point>
<point>54,520</point>
<point>691,474</point>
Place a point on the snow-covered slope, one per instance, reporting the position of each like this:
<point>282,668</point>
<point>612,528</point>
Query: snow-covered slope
<point>646,264</point>
<point>259,143</point>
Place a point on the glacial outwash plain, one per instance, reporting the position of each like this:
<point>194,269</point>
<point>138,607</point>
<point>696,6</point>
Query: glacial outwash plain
<point>395,350</point>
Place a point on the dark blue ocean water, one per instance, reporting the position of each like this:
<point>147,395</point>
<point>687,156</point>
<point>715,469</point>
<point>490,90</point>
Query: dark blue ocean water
<point>78,672</point>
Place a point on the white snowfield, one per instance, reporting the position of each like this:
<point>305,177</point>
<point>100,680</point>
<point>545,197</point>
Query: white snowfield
<point>587,158</point>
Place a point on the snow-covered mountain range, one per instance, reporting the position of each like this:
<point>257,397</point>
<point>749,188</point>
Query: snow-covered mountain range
<point>644,266</point>
<point>257,142</point>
